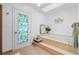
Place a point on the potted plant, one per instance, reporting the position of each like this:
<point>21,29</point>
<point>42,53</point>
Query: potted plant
<point>47,29</point>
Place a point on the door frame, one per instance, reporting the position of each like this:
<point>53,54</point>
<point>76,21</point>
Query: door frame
<point>1,30</point>
<point>13,27</point>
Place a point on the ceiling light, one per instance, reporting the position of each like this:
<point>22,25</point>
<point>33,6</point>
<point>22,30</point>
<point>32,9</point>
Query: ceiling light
<point>39,4</point>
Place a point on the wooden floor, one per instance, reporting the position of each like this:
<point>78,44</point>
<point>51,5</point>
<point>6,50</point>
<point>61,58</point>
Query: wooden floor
<point>30,50</point>
<point>45,47</point>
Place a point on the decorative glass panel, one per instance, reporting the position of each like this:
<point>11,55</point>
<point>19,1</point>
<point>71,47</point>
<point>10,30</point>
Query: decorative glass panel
<point>22,28</point>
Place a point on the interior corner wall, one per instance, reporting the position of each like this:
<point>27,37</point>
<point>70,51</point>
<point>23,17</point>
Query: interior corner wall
<point>69,14</point>
<point>37,18</point>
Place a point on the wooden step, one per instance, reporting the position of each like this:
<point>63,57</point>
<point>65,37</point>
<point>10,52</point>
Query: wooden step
<point>52,49</point>
<point>63,46</point>
<point>56,49</point>
<point>53,52</point>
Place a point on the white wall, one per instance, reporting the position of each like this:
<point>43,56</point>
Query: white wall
<point>37,18</point>
<point>69,14</point>
<point>78,13</point>
<point>7,28</point>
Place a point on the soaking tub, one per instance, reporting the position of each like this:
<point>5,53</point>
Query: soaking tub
<point>60,38</point>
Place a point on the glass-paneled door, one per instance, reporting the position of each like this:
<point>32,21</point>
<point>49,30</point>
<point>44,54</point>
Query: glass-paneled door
<point>21,28</point>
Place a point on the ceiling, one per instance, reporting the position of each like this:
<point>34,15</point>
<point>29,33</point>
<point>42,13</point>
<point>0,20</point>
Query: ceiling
<point>45,7</point>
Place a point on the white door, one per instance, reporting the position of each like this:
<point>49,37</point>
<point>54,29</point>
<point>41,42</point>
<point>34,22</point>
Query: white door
<point>20,29</point>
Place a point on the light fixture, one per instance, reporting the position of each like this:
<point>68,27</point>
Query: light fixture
<point>39,4</point>
<point>58,20</point>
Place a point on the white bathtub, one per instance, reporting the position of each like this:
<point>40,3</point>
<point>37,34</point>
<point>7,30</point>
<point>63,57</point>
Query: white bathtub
<point>60,38</point>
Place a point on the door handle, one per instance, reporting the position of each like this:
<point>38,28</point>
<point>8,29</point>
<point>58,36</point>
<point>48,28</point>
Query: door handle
<point>15,32</point>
